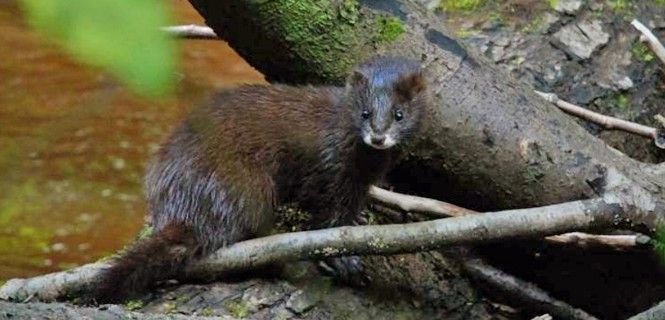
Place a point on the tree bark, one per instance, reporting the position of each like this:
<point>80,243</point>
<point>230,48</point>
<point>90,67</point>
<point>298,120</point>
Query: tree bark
<point>10,310</point>
<point>491,139</point>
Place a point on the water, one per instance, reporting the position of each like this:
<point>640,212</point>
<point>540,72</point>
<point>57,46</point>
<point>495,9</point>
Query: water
<point>74,143</point>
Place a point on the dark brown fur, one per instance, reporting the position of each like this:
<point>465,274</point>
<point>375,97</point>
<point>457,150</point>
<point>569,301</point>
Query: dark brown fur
<point>219,176</point>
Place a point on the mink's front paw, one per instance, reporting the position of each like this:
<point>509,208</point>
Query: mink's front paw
<point>348,270</point>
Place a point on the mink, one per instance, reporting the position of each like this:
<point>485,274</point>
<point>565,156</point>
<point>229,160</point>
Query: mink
<point>225,168</point>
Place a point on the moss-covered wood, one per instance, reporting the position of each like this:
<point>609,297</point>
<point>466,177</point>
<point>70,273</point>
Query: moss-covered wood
<point>301,41</point>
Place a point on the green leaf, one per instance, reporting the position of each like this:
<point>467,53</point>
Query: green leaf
<point>122,36</point>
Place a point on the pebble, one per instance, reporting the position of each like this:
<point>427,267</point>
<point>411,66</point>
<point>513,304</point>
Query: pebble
<point>583,38</point>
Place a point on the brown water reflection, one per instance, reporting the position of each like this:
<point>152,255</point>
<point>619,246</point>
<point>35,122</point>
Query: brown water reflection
<point>73,144</point>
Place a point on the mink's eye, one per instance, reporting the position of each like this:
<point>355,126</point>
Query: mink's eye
<point>365,114</point>
<point>399,115</point>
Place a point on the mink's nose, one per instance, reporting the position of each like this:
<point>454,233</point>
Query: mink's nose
<point>378,140</point>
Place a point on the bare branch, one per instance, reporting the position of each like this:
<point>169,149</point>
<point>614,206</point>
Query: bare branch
<point>527,292</point>
<point>651,39</point>
<point>357,240</point>
<point>192,31</point>
<point>411,203</point>
<point>600,119</point>
<point>438,208</point>
<point>410,237</point>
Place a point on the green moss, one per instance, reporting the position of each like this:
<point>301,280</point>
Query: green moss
<point>145,232</point>
<point>552,3</point>
<point>321,287</point>
<point>465,33</point>
<point>207,312</point>
<point>169,308</point>
<point>389,28</point>
<point>622,101</point>
<point>322,34</point>
<point>237,309</point>
<point>534,173</point>
<point>459,5</point>
<point>349,11</point>
<point>619,5</point>
<point>108,258</point>
<point>641,52</point>
<point>132,305</point>
<point>497,17</point>
<point>534,25</point>
<point>659,243</point>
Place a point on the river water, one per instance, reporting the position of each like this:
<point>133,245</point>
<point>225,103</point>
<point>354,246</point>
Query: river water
<point>73,144</point>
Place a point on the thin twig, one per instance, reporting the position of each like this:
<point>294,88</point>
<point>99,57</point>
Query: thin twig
<point>417,204</point>
<point>651,39</point>
<point>192,31</point>
<point>527,292</point>
<point>619,242</point>
<point>600,119</point>
<point>440,209</point>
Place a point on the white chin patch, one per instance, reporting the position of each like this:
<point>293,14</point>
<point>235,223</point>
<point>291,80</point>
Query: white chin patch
<point>388,143</point>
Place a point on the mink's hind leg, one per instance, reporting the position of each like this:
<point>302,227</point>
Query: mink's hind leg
<point>158,257</point>
<point>195,211</point>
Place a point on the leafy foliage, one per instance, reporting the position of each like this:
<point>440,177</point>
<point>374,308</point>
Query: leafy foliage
<point>120,36</point>
<point>659,243</point>
<point>642,52</point>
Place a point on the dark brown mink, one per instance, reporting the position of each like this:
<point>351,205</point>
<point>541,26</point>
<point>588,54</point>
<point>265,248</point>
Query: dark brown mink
<point>225,168</point>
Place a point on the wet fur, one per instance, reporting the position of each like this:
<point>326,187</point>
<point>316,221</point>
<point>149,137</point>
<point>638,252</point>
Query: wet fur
<point>218,178</point>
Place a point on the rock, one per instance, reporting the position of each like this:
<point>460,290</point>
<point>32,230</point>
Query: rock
<point>584,93</point>
<point>429,4</point>
<point>582,39</point>
<point>552,74</point>
<point>568,6</point>
<point>548,20</point>
<point>622,82</point>
<point>617,81</point>
<point>300,301</point>
<point>490,25</point>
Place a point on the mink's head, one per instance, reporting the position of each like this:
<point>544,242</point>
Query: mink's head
<point>388,97</point>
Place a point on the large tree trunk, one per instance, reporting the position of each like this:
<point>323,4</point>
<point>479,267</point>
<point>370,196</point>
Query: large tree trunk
<point>491,139</point>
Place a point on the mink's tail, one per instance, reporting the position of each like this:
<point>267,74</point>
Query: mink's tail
<point>156,258</point>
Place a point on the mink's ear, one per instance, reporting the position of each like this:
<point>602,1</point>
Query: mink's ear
<point>356,79</point>
<point>410,85</point>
